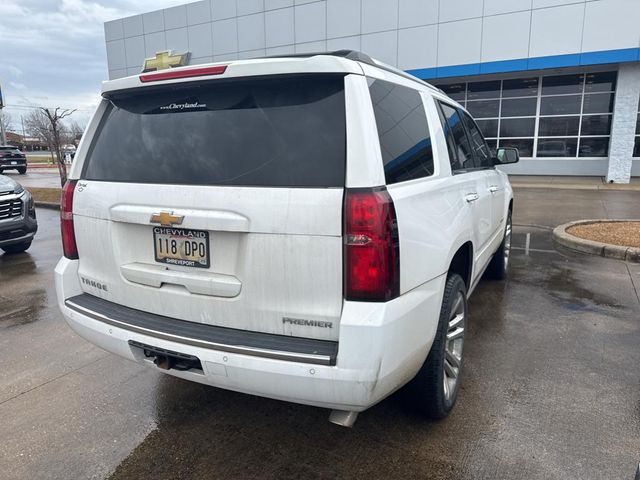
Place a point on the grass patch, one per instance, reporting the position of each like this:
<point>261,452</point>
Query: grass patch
<point>45,194</point>
<point>39,158</point>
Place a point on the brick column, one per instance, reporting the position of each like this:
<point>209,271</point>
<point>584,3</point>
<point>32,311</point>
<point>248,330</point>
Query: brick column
<point>623,128</point>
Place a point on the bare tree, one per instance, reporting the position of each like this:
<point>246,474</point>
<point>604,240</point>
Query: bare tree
<point>37,125</point>
<point>6,122</point>
<point>75,132</point>
<point>47,124</point>
<point>66,137</point>
<point>55,117</point>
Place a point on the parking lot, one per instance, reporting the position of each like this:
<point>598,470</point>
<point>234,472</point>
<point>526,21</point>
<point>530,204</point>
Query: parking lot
<point>37,177</point>
<point>551,387</point>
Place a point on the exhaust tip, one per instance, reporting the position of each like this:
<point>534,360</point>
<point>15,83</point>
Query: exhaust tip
<point>343,418</point>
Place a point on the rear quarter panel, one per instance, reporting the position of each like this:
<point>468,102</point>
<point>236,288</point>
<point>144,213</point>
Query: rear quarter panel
<point>433,218</point>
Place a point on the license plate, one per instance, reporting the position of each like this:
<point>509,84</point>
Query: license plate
<point>181,246</point>
<point>14,163</point>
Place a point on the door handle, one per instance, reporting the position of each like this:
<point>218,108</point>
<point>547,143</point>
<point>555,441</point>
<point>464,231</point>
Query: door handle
<point>493,188</point>
<point>471,197</point>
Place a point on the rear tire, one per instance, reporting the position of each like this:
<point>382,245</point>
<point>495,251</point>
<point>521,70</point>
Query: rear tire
<point>17,248</point>
<point>22,170</point>
<point>434,389</point>
<point>498,267</point>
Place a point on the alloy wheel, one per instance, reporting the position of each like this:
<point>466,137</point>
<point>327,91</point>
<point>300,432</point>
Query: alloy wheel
<point>453,346</point>
<point>507,243</point>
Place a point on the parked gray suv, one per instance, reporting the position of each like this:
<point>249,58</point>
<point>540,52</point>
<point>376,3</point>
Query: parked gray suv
<point>18,223</point>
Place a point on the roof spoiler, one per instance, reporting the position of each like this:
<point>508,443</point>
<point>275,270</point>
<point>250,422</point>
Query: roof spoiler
<point>357,56</point>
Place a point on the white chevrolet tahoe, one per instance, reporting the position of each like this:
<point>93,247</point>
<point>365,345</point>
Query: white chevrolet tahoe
<point>305,228</point>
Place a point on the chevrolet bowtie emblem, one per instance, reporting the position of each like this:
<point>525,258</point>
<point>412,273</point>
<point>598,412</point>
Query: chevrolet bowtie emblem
<point>167,219</point>
<point>164,60</point>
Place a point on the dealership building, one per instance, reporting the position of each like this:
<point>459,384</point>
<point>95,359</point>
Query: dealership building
<point>559,79</point>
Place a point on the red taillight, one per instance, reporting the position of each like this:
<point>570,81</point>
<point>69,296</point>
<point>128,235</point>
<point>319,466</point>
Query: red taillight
<point>372,253</point>
<point>69,246</point>
<point>183,73</point>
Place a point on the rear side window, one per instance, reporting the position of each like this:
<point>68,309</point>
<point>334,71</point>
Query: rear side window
<point>479,146</point>
<point>403,131</point>
<point>274,132</point>
<point>460,152</point>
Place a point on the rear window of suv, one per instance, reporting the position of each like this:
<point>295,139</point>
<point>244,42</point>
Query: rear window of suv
<point>274,132</point>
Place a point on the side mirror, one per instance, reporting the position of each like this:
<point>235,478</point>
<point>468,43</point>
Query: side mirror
<point>507,155</point>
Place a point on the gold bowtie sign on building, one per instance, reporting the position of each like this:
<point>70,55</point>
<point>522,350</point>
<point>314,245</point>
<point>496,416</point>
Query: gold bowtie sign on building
<point>164,60</point>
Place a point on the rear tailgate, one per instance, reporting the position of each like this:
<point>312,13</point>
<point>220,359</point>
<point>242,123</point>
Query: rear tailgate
<point>220,203</point>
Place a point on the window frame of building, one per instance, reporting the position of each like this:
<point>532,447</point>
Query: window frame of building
<point>590,94</point>
<point>636,143</point>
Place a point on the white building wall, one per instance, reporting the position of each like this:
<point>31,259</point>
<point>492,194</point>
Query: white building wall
<point>410,34</point>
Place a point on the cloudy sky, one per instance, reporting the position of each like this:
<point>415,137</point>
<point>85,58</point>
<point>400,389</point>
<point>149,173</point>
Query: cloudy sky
<point>52,52</point>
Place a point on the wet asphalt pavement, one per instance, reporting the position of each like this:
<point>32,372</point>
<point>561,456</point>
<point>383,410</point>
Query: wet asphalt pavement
<point>551,387</point>
<point>37,177</point>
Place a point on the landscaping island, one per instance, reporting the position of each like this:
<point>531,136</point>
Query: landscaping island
<point>618,239</point>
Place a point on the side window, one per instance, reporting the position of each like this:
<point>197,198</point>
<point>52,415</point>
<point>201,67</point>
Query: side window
<point>479,146</point>
<point>403,131</point>
<point>460,152</point>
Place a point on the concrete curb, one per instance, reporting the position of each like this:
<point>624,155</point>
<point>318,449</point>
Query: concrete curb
<point>50,205</point>
<point>576,186</point>
<point>560,236</point>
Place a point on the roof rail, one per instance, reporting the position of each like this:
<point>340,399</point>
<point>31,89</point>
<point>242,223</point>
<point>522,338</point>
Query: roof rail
<point>357,56</point>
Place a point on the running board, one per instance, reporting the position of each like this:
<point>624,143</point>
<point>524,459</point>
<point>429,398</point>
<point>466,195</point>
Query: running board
<point>267,345</point>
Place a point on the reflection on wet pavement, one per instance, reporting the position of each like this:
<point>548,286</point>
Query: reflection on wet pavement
<point>547,393</point>
<point>23,309</point>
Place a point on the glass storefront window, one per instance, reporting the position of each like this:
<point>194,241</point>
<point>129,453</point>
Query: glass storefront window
<point>557,147</point>
<point>547,116</point>
<point>483,108</point>
<point>598,103</point>
<point>596,125</point>
<point>566,107</point>
<point>558,126</point>
<point>483,90</point>
<point>594,147</point>
<point>601,82</point>
<point>519,107</point>
<point>520,87</point>
<point>517,127</point>
<point>457,91</point>
<point>524,145</point>
<point>562,105</point>
<point>562,84</point>
<point>489,128</point>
